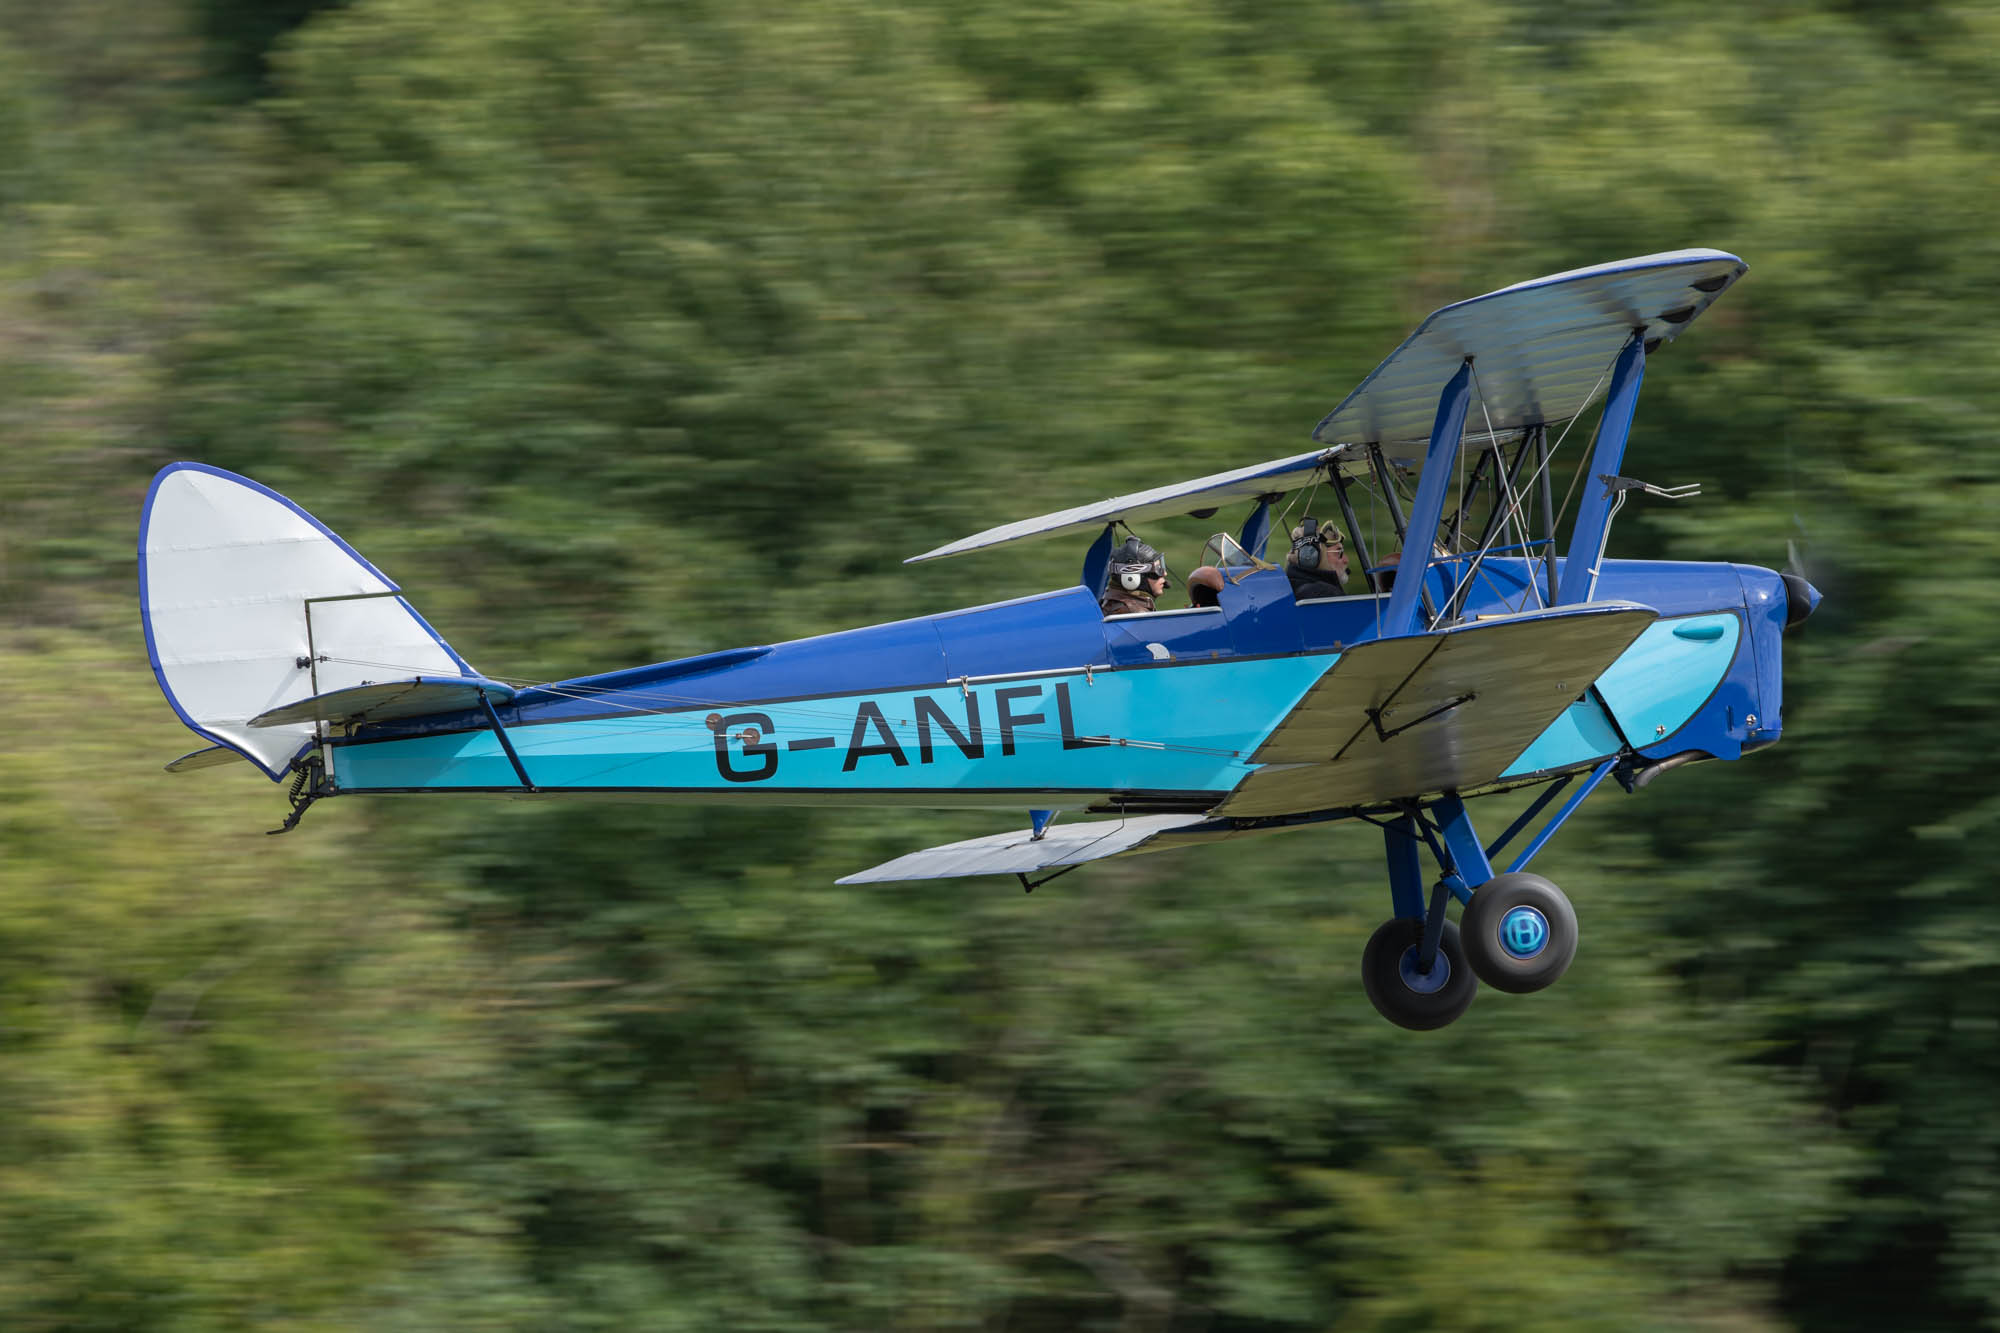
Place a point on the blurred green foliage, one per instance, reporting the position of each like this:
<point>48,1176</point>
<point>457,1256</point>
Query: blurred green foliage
<point>564,312</point>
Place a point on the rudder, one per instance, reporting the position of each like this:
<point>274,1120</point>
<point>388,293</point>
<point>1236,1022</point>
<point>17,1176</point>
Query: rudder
<point>250,603</point>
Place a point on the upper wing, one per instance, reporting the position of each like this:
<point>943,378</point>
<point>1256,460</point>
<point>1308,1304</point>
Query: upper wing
<point>1436,712</point>
<point>1540,349</point>
<point>1277,476</point>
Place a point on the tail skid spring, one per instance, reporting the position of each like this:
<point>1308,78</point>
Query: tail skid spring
<point>308,785</point>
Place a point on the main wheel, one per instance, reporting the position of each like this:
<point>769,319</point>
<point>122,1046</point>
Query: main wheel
<point>1520,932</point>
<point>1409,998</point>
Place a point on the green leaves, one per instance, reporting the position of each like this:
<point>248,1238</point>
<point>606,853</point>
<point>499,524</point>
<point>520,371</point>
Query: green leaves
<point>619,333</point>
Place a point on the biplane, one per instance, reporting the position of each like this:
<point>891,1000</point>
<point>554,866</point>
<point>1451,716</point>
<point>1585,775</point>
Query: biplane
<point>1470,654</point>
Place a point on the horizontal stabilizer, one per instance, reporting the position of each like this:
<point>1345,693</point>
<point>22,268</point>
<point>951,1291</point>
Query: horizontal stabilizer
<point>1426,713</point>
<point>211,757</point>
<point>1021,853</point>
<point>387,700</point>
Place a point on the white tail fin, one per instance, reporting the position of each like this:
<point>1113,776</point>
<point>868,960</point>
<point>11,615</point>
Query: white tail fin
<point>250,603</point>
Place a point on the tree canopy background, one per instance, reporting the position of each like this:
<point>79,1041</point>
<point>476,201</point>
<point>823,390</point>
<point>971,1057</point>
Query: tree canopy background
<point>565,313</point>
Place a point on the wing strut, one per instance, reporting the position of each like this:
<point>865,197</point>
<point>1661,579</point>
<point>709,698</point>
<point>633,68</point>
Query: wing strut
<point>1257,528</point>
<point>1593,516</point>
<point>1368,570</point>
<point>1427,510</point>
<point>506,742</point>
<point>1097,561</point>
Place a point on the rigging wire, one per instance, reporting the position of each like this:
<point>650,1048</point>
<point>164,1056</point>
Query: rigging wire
<point>1516,501</point>
<point>798,711</point>
<point>1582,465</point>
<point>1516,521</point>
<point>1511,522</point>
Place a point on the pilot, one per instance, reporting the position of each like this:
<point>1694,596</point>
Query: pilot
<point>1138,576</point>
<point>1317,565</point>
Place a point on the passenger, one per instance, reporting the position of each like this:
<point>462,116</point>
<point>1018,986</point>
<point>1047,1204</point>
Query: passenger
<point>1138,576</point>
<point>1317,565</point>
<point>1205,587</point>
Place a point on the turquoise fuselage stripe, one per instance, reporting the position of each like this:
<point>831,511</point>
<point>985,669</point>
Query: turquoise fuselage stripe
<point>1065,731</point>
<point>1055,732</point>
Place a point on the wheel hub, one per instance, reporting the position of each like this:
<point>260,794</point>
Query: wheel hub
<point>1424,983</point>
<point>1524,932</point>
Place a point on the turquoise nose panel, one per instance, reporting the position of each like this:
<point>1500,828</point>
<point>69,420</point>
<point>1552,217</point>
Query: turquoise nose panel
<point>1668,673</point>
<point>1654,688</point>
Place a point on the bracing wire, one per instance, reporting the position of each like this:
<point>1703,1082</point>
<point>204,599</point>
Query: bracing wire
<point>1582,464</point>
<point>1516,500</point>
<point>1512,523</point>
<point>661,701</point>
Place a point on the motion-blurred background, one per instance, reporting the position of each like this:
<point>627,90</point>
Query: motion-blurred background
<point>619,330</point>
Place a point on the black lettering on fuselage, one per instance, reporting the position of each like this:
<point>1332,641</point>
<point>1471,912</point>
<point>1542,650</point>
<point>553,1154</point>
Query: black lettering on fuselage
<point>971,742</point>
<point>867,716</point>
<point>872,735</point>
<point>753,745</point>
<point>1009,719</point>
<point>1067,722</point>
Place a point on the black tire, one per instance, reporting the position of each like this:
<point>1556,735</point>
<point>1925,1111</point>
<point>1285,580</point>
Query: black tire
<point>1390,990</point>
<point>1520,932</point>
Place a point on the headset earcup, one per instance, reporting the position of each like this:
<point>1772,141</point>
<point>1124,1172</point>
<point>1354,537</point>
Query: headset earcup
<point>1130,581</point>
<point>1306,554</point>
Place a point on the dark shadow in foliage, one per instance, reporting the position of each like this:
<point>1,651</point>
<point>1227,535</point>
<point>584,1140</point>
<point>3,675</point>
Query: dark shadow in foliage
<point>241,34</point>
<point>1863,1272</point>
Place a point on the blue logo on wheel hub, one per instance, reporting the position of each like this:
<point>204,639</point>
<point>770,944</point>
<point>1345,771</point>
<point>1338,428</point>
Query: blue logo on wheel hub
<point>1524,932</point>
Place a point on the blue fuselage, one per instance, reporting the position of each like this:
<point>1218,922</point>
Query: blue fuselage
<point>1041,701</point>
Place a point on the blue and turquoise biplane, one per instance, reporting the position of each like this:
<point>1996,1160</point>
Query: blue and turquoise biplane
<point>1471,656</point>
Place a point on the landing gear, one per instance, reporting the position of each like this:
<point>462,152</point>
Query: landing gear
<point>1519,932</point>
<point>1410,998</point>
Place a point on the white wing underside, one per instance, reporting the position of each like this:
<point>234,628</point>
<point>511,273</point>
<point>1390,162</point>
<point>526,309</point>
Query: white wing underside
<point>1278,476</point>
<point>1021,853</point>
<point>1539,349</point>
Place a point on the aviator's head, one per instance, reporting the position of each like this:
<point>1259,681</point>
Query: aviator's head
<point>1137,567</point>
<point>1317,549</point>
